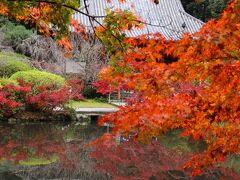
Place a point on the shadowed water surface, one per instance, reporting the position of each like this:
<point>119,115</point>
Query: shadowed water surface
<point>57,150</point>
<point>47,151</point>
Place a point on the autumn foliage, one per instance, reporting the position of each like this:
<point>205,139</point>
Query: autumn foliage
<point>199,93</point>
<point>51,18</point>
<point>30,144</point>
<point>133,160</point>
<point>42,98</point>
<point>41,14</point>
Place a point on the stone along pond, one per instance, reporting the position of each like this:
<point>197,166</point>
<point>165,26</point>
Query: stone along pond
<point>49,150</point>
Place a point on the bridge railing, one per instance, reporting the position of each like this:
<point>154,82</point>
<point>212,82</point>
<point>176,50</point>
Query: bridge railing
<point>119,96</point>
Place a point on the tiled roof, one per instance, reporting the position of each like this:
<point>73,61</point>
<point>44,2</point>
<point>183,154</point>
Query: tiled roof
<point>168,17</point>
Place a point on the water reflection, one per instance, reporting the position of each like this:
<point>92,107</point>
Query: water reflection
<point>47,150</point>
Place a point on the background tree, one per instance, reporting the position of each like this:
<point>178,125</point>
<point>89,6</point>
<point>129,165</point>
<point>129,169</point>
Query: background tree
<point>205,9</point>
<point>41,14</point>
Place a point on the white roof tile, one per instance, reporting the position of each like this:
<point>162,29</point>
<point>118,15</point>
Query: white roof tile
<point>167,18</point>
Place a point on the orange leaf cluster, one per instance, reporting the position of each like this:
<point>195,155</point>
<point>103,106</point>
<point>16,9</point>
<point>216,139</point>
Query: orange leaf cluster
<point>200,93</point>
<point>41,14</point>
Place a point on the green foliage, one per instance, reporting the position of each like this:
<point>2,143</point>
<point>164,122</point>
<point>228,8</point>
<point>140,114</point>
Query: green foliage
<point>90,92</point>
<point>233,161</point>
<point>3,21</point>
<point>16,56</point>
<point>57,13</point>
<point>39,78</point>
<point>205,9</point>
<point>113,25</point>
<point>14,33</point>
<point>6,81</point>
<point>11,63</point>
<point>173,140</point>
<point>102,99</point>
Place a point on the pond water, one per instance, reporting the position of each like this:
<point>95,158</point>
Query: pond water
<point>50,150</point>
<point>57,150</point>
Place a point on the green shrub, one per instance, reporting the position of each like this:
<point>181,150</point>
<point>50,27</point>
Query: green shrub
<point>38,78</point>
<point>11,63</point>
<point>6,81</point>
<point>3,21</point>
<point>90,92</point>
<point>233,162</point>
<point>13,55</point>
<point>101,99</point>
<point>13,34</point>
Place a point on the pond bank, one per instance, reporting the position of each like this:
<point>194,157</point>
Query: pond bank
<point>73,111</point>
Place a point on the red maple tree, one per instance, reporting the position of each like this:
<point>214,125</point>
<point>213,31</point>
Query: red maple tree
<point>198,94</point>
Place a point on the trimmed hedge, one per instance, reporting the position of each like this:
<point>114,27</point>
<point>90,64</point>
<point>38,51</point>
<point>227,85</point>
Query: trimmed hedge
<point>6,81</point>
<point>38,77</point>
<point>11,63</point>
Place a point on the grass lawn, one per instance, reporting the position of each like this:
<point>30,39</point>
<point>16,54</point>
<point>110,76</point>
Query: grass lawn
<point>89,103</point>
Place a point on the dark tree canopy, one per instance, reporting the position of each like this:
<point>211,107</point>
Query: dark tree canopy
<point>204,9</point>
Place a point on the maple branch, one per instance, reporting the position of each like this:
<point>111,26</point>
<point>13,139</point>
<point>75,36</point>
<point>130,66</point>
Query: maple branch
<point>111,33</point>
<point>90,19</point>
<point>63,5</point>
<point>93,17</point>
<point>89,15</point>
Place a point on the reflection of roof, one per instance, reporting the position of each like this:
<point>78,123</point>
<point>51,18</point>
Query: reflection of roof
<point>168,17</point>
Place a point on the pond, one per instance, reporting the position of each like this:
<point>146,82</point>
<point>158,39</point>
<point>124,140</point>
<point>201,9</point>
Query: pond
<point>49,150</point>
<point>58,150</point>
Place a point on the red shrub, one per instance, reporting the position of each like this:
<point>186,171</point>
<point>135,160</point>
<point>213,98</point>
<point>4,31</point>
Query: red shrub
<point>40,98</point>
<point>76,87</point>
<point>9,100</point>
<point>47,98</point>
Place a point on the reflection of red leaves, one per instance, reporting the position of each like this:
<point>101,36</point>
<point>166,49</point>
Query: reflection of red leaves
<point>196,172</point>
<point>37,146</point>
<point>20,156</point>
<point>1,153</point>
<point>11,144</point>
<point>53,148</point>
<point>32,144</point>
<point>105,140</point>
<point>131,159</point>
